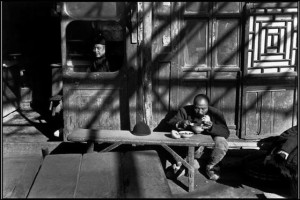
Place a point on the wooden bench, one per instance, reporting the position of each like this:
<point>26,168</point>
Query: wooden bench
<point>57,177</point>
<point>101,175</point>
<point>19,172</point>
<point>163,139</point>
<point>144,176</point>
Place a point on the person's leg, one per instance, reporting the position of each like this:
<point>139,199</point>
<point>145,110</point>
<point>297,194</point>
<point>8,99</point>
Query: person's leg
<point>218,153</point>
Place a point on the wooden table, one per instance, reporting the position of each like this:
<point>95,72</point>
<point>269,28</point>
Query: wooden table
<point>164,139</point>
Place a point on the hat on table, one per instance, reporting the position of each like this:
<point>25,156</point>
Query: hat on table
<point>141,129</point>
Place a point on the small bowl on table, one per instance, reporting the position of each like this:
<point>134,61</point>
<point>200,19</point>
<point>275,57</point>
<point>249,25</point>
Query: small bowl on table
<point>186,134</point>
<point>197,128</point>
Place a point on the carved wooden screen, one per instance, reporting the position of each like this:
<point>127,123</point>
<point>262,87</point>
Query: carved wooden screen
<point>269,97</point>
<point>272,38</point>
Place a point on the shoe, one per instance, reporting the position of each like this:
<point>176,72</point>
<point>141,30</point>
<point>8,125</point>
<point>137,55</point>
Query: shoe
<point>212,175</point>
<point>178,170</point>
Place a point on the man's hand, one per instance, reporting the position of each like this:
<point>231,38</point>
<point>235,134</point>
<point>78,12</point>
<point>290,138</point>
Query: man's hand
<point>205,118</point>
<point>184,123</point>
<point>207,124</point>
<point>281,156</point>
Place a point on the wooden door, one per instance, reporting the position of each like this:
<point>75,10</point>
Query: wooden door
<point>93,100</point>
<point>197,50</point>
<point>271,65</point>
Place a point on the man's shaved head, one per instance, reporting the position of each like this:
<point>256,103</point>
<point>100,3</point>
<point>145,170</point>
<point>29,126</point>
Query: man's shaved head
<point>199,97</point>
<point>201,102</point>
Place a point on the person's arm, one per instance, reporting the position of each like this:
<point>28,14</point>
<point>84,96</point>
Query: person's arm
<point>291,141</point>
<point>180,116</point>
<point>219,126</point>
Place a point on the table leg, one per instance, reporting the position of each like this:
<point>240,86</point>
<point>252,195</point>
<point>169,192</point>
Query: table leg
<point>177,157</point>
<point>111,147</point>
<point>189,164</point>
<point>191,174</point>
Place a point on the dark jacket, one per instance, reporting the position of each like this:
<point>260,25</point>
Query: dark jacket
<point>219,127</point>
<point>100,65</point>
<point>288,142</point>
<point>288,139</point>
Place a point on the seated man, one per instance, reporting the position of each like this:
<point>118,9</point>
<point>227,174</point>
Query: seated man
<point>100,63</point>
<point>214,124</point>
<point>283,154</point>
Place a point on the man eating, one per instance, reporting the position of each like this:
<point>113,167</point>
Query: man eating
<point>211,121</point>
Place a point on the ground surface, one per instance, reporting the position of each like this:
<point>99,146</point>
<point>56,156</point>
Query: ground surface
<point>27,133</point>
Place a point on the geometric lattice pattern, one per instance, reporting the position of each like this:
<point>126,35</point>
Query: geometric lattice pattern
<point>272,40</point>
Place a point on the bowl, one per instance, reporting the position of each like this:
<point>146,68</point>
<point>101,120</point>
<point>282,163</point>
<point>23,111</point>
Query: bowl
<point>197,129</point>
<point>186,134</point>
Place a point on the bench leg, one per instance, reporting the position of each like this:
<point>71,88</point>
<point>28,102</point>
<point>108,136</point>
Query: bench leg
<point>191,173</point>
<point>90,147</point>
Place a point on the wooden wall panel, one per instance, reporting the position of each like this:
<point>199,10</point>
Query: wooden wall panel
<point>251,113</point>
<point>189,89</point>
<point>195,41</point>
<point>161,92</point>
<point>227,42</point>
<point>161,28</point>
<point>283,110</point>
<point>196,7</point>
<point>94,109</point>
<point>224,97</point>
<point>267,115</point>
<point>228,7</point>
<point>268,112</point>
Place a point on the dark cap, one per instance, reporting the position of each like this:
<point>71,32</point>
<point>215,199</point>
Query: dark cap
<point>141,129</point>
<point>99,39</point>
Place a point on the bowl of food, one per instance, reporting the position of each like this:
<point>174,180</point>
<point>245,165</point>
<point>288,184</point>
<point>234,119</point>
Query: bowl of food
<point>197,128</point>
<point>186,134</point>
<point>175,134</point>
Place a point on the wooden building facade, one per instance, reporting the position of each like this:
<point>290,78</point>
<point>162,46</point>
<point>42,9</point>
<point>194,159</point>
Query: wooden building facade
<point>244,56</point>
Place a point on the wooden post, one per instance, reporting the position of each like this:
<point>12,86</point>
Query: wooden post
<point>140,99</point>
<point>90,147</point>
<point>147,61</point>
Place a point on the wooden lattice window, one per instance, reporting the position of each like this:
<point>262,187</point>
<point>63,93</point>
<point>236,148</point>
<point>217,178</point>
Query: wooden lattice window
<point>272,38</point>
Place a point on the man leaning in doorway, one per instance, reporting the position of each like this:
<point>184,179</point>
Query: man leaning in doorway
<point>100,62</point>
<point>214,124</point>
